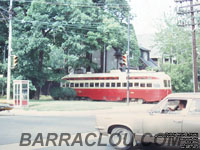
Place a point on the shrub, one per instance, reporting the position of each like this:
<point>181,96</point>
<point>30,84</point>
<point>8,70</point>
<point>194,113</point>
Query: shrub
<point>62,93</point>
<point>68,93</point>
<point>55,93</point>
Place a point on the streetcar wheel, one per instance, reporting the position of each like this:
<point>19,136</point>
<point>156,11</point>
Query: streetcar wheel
<point>121,138</point>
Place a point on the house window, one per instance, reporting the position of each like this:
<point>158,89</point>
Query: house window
<point>145,56</point>
<point>166,59</point>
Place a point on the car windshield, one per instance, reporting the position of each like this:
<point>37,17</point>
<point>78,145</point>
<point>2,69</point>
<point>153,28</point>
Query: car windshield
<point>157,108</point>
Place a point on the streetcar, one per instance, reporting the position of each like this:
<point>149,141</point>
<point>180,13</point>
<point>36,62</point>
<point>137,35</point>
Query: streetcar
<point>146,86</point>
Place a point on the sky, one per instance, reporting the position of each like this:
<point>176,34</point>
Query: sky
<point>148,12</point>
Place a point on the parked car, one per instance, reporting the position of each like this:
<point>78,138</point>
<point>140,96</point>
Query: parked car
<point>5,106</point>
<point>176,114</point>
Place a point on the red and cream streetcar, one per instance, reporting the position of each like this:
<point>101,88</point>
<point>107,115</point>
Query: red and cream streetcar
<point>148,86</point>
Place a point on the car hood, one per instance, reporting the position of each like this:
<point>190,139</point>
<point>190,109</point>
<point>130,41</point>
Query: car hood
<point>132,110</point>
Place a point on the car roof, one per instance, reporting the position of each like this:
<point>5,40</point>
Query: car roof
<point>184,95</point>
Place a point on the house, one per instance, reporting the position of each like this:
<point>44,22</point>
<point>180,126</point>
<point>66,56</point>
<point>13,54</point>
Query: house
<point>145,60</point>
<point>112,58</point>
<point>147,41</point>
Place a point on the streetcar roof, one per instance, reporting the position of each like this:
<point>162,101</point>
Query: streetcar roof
<point>118,73</point>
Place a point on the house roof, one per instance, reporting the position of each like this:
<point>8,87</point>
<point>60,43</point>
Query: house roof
<point>146,41</point>
<point>144,49</point>
<point>149,63</point>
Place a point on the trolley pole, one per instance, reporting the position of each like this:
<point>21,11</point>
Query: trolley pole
<point>128,62</point>
<point>9,50</point>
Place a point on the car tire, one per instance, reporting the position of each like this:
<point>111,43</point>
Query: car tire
<point>121,138</point>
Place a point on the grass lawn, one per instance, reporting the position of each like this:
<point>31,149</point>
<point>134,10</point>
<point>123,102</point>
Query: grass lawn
<point>47,104</point>
<point>72,105</point>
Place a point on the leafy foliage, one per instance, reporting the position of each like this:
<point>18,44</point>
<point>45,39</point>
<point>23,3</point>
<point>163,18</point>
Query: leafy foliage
<point>62,93</point>
<point>175,42</point>
<point>50,37</point>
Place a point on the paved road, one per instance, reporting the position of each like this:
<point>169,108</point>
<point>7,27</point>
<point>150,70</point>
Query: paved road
<point>12,127</point>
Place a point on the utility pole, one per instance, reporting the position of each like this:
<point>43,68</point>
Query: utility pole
<point>104,58</point>
<point>194,51</point>
<point>9,50</point>
<point>128,62</point>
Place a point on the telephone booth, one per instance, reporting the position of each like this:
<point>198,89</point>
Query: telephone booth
<point>21,92</point>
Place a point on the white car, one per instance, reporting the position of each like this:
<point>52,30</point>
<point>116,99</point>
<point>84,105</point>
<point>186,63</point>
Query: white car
<point>5,106</point>
<point>177,116</point>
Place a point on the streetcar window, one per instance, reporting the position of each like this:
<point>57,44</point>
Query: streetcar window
<point>142,84</point>
<point>136,84</point>
<point>156,85</point>
<point>107,84</point>
<point>112,84</point>
<point>81,84</point>
<point>149,84</point>
<point>96,84</point>
<point>169,84</point>
<point>86,84</point>
<point>102,84</point>
<point>76,85</point>
<point>165,83</point>
<point>124,84</point>
<point>67,84</point>
<point>71,84</point>
<point>118,84</point>
<point>91,84</point>
<point>62,85</point>
<point>130,84</point>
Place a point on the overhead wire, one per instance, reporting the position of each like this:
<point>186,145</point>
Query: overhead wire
<point>72,25</point>
<point>77,26</point>
<point>111,5</point>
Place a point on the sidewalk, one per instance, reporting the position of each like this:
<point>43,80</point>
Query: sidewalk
<point>131,108</point>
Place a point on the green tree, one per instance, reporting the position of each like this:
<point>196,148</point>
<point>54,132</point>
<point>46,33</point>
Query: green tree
<point>51,36</point>
<point>175,42</point>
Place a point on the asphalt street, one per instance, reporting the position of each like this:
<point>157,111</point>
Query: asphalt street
<point>12,128</point>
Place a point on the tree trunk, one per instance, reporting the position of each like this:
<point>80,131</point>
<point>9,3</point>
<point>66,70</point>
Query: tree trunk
<point>101,61</point>
<point>48,90</point>
<point>89,57</point>
<point>37,94</point>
